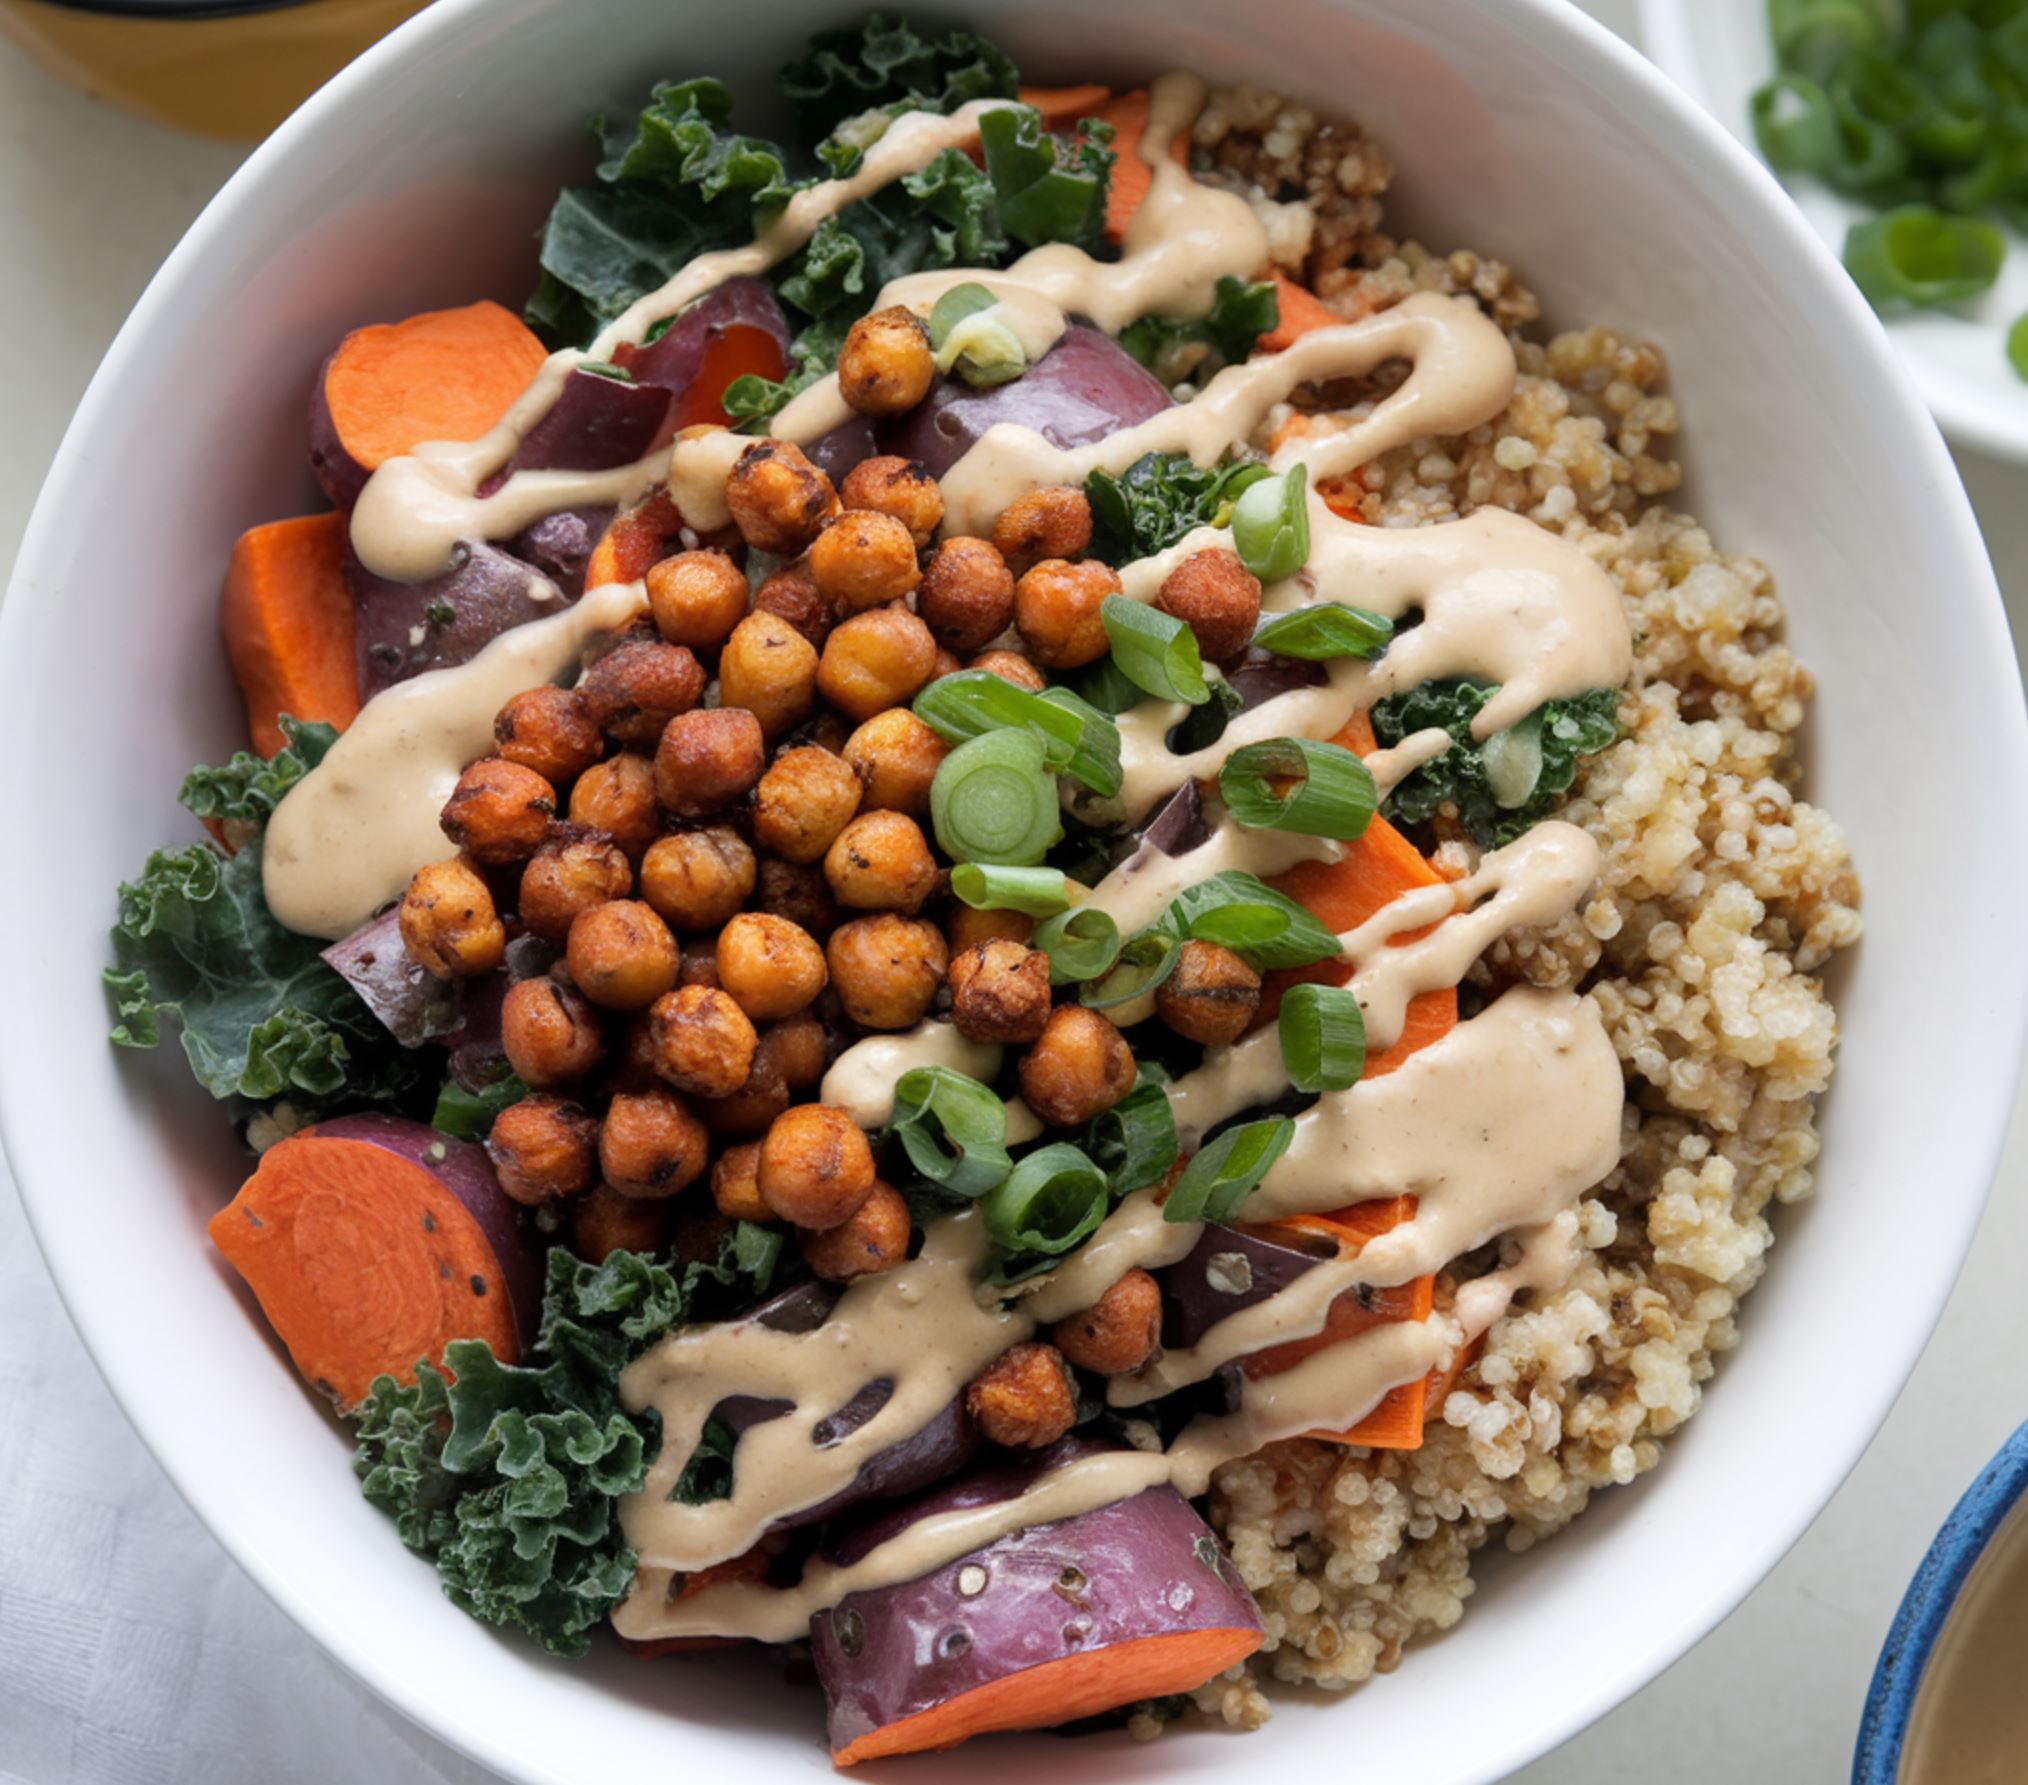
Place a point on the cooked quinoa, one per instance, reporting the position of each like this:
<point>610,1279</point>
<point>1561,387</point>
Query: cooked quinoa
<point>1721,896</point>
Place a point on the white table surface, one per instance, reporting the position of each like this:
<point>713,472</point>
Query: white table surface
<point>196,1678</point>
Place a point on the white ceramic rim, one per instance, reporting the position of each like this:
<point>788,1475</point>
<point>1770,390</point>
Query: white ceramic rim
<point>1683,130</point>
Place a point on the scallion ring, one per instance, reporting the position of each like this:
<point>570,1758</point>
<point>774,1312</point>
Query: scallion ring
<point>1081,944</point>
<point>954,306</point>
<point>1051,1202</point>
<point>1155,651</point>
<point>1243,913</point>
<point>1036,892</point>
<point>1321,633</point>
<point>1077,739</point>
<point>2017,347</point>
<point>1299,784</point>
<point>1271,525</point>
<point>1513,762</point>
<point>1323,1036</point>
<point>1795,126</point>
<point>993,800</point>
<point>1222,1176</point>
<point>1915,256</point>
<point>953,1129</point>
<point>1134,1143</point>
<point>1145,962</point>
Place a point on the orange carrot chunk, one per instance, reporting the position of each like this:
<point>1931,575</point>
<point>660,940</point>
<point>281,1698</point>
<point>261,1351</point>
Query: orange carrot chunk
<point>1300,311</point>
<point>635,539</point>
<point>1061,106</point>
<point>733,353</point>
<point>1127,113</point>
<point>288,621</point>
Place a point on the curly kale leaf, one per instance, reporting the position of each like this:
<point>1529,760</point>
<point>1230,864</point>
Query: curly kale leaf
<point>1158,499</point>
<point>1047,188</point>
<point>1174,349</point>
<point>889,64</point>
<point>245,791</point>
<point>1492,814</point>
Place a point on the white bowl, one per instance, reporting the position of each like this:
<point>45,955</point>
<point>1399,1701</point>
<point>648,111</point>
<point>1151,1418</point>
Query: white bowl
<point>1523,130</point>
<point>1719,52</point>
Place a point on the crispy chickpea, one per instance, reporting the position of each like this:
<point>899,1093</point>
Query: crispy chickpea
<point>877,660</point>
<point>631,693</point>
<point>778,499</point>
<point>797,1050</point>
<point>735,1184</point>
<point>792,594</point>
<point>947,664</point>
<point>617,796</point>
<point>1118,1332</point>
<point>769,668</point>
<point>1047,523</point>
<point>874,1238</point>
<point>966,596</point>
<point>1218,598</point>
<point>697,598</point>
<point>448,921</point>
<point>544,1147</point>
<point>864,560</point>
<point>708,759</point>
<point>1011,666</point>
<point>1056,611</point>
<point>650,1144</point>
<point>550,730</point>
<point>881,862</point>
<point>1079,1067</point>
<point>575,870</point>
<point>745,1114</point>
<point>967,928</point>
<point>702,1041</point>
<point>499,812</point>
<point>1000,992</point>
<point>1210,996</point>
<point>606,1222</point>
<point>772,967</point>
<point>804,800</point>
<point>815,1167</point>
<point>886,364</point>
<point>549,1033</point>
<point>698,963</point>
<point>900,487</point>
<point>695,880</point>
<point>886,969</point>
<point>895,757</point>
<point>797,891</point>
<point>621,955</point>
<point>1024,1398</point>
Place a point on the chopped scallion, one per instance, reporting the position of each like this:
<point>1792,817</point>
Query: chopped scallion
<point>1299,784</point>
<point>1037,892</point>
<point>1222,1176</point>
<point>953,1129</point>
<point>1155,651</point>
<point>1271,525</point>
<point>1323,1037</point>
<point>1052,1201</point>
<point>992,800</point>
<point>1081,944</point>
<point>1330,629</point>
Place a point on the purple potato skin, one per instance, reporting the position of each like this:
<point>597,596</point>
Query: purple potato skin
<point>1192,1303</point>
<point>1142,1567</point>
<point>560,545</point>
<point>672,361</point>
<point>414,1005</point>
<point>1261,677</point>
<point>476,1056</point>
<point>487,591</point>
<point>339,475</point>
<point>595,424</point>
<point>1178,824</point>
<point>463,1169</point>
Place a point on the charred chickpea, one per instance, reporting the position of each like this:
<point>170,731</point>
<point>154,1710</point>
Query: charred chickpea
<point>617,796</point>
<point>698,964</point>
<point>899,487</point>
<point>745,1114</point>
<point>769,668</point>
<point>697,598</point>
<point>631,693</point>
<point>777,498</point>
<point>549,1033</point>
<point>695,880</point>
<point>448,921</point>
<point>621,955</point>
<point>575,870</point>
<point>735,1184</point>
<point>549,730</point>
<point>804,800</point>
<point>791,594</point>
<point>1079,1067</point>
<point>895,757</point>
<point>1210,996</point>
<point>606,1222</point>
<point>1056,611</point>
<point>815,1167</point>
<point>701,1041</point>
<point>877,660</point>
<point>650,1143</point>
<point>886,364</point>
<point>1118,1332</point>
<point>797,1050</point>
<point>966,596</point>
<point>499,812</point>
<point>886,969</point>
<point>1218,598</point>
<point>1046,523</point>
<point>864,560</point>
<point>797,891</point>
<point>874,1238</point>
<point>771,967</point>
<point>881,862</point>
<point>1000,992</point>
<point>967,928</point>
<point>708,760</point>
<point>544,1147</point>
<point>1011,666</point>
<point>946,664</point>
<point>1023,1399</point>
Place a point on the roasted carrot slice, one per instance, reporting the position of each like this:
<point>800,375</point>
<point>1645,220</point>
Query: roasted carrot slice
<point>1065,105</point>
<point>1127,113</point>
<point>288,618</point>
<point>1299,311</point>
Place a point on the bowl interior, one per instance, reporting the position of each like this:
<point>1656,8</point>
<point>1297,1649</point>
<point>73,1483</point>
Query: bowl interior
<point>1523,132</point>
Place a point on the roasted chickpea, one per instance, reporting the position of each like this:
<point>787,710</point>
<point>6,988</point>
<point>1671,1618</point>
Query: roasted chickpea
<point>631,693</point>
<point>695,880</point>
<point>744,1114</point>
<point>872,1239</point>
<point>550,730</point>
<point>1079,1067</point>
<point>877,660</point>
<point>797,891</point>
<point>1118,1332</point>
<point>900,487</point>
<point>1011,666</point>
<point>797,1050</point>
<point>881,862</point>
<point>1056,611</point>
<point>769,668</point>
<point>1000,992</point>
<point>448,921</point>
<point>707,760</point>
<point>792,594</point>
<point>967,928</point>
<point>650,1144</point>
<point>621,955</point>
<point>895,757</point>
<point>864,560</point>
<point>1023,1399</point>
<point>702,1041</point>
<point>698,963</point>
<point>1047,523</point>
<point>605,1222</point>
<point>886,364</point>
<point>575,870</point>
<point>778,499</point>
<point>735,1184</point>
<point>1218,598</point>
<point>773,968</point>
<point>804,800</point>
<point>499,812</point>
<point>946,664</point>
<point>617,796</point>
<point>697,598</point>
<point>886,969</point>
<point>549,1033</point>
<point>967,594</point>
<point>1210,996</point>
<point>815,1167</point>
<point>543,1147</point>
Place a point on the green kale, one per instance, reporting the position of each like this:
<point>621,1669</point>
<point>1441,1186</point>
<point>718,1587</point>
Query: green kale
<point>1047,188</point>
<point>246,790</point>
<point>1159,498</point>
<point>1562,731</point>
<point>1174,349</point>
<point>888,64</point>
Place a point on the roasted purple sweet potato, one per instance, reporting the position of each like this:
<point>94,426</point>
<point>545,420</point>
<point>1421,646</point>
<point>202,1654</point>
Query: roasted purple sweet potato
<point>403,629</point>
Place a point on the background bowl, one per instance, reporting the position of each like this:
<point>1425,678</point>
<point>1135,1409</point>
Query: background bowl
<point>416,179</point>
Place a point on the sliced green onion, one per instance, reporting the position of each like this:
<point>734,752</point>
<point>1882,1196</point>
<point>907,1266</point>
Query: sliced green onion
<point>985,886</point>
<point>1330,629</point>
<point>1134,1143</point>
<point>1155,651</point>
<point>1081,943</point>
<point>953,1129</point>
<point>1078,740</point>
<point>757,1253</point>
<point>1271,525</point>
<point>1052,1201</point>
<point>1323,1037</point>
<point>1298,784</point>
<point>1871,157</point>
<point>1248,916</point>
<point>1795,126</point>
<point>1145,962</point>
<point>955,306</point>
<point>1105,686</point>
<point>1815,36</point>
<point>1915,256</point>
<point>1095,761</point>
<point>1222,1176</point>
<point>992,800</point>
<point>2017,347</point>
<point>1513,761</point>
